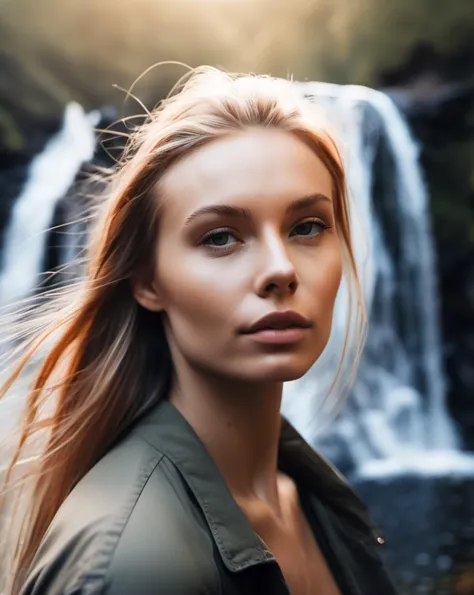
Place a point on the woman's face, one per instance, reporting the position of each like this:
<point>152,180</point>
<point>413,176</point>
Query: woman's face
<point>247,230</point>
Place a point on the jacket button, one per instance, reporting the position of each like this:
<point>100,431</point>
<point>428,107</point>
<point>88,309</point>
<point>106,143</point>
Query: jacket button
<point>381,540</point>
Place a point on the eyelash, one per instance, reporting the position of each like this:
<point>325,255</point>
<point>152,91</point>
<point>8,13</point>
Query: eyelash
<point>206,238</point>
<point>323,225</point>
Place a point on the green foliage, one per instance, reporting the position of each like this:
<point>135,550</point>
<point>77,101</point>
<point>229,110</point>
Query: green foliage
<point>89,46</point>
<point>54,51</point>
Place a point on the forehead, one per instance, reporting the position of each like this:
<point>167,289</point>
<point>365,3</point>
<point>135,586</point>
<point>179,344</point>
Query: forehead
<point>255,163</point>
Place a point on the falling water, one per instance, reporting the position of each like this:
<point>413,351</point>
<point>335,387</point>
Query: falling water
<point>397,406</point>
<point>50,175</point>
<point>395,421</point>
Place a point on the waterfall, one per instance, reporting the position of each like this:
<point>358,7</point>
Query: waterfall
<point>50,176</point>
<point>22,251</point>
<point>397,405</point>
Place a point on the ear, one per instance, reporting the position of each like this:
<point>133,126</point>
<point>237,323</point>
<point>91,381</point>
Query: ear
<point>147,295</point>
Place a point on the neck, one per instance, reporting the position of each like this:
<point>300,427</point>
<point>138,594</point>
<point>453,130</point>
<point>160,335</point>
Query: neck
<point>239,425</point>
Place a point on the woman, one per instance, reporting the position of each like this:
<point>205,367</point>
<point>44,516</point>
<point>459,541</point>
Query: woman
<point>212,275</point>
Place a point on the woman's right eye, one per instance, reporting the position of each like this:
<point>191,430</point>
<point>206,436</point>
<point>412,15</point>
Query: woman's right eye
<point>219,239</point>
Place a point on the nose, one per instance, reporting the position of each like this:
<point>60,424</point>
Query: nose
<point>277,275</point>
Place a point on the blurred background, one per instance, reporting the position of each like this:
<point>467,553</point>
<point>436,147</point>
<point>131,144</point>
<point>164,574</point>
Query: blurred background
<point>397,78</point>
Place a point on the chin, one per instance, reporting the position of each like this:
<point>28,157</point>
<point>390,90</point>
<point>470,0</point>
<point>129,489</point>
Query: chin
<point>285,375</point>
<point>281,369</point>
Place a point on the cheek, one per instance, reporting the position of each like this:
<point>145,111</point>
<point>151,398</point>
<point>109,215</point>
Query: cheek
<point>326,280</point>
<point>193,297</point>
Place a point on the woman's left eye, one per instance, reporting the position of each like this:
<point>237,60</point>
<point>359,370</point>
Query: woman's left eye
<point>308,229</point>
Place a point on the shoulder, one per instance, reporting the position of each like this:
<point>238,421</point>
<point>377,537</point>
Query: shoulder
<point>127,526</point>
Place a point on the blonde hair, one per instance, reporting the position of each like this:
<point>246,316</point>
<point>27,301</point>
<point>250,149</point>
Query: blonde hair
<point>107,361</point>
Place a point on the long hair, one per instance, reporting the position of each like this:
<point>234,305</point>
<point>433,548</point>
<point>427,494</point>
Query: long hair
<point>104,359</point>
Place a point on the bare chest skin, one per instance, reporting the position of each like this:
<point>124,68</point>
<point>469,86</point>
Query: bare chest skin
<point>290,539</point>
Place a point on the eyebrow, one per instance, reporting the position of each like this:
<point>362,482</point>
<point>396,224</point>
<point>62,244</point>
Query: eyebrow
<point>298,205</point>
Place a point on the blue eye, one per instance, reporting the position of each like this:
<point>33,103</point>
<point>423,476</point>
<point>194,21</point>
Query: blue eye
<point>219,239</point>
<point>309,229</point>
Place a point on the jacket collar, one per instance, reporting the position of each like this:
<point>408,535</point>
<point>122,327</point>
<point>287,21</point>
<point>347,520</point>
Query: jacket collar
<point>166,429</point>
<point>312,471</point>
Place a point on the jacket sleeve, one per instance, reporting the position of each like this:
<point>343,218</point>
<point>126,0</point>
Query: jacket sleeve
<point>63,567</point>
<point>64,580</point>
<point>121,535</point>
<point>94,563</point>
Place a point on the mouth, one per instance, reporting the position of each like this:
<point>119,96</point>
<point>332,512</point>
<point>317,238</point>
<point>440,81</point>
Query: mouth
<point>279,323</point>
<point>284,336</point>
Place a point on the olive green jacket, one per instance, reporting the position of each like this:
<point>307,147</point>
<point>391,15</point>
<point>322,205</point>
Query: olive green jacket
<point>155,517</point>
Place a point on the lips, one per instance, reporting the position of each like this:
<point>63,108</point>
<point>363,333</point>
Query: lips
<point>278,321</point>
